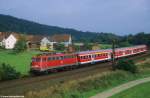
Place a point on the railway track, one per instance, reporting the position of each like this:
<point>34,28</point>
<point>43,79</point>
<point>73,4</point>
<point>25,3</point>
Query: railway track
<point>21,86</point>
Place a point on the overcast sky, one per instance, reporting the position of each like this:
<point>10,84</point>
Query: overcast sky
<point>117,16</point>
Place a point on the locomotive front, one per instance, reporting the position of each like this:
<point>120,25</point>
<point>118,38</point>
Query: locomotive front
<point>36,64</point>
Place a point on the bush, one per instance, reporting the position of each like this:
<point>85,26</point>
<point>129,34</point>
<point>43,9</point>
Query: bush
<point>20,46</point>
<point>127,65</point>
<point>60,47</point>
<point>7,72</point>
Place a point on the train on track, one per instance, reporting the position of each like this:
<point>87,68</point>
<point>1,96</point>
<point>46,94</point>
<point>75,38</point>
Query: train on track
<point>48,61</point>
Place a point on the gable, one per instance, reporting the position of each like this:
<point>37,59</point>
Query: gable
<point>45,40</point>
<point>11,38</point>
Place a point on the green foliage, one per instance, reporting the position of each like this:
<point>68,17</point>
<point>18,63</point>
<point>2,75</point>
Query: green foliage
<point>59,47</point>
<point>124,44</point>
<point>105,46</point>
<point>140,38</point>
<point>20,46</point>
<point>86,46</point>
<point>77,48</point>
<point>127,65</point>
<point>7,72</point>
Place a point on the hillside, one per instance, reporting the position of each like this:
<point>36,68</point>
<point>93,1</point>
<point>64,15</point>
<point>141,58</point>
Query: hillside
<point>10,23</point>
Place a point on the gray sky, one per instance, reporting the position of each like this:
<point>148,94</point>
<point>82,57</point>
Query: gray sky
<point>117,16</point>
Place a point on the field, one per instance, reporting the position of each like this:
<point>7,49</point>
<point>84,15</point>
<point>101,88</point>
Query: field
<point>105,46</point>
<point>21,61</point>
<point>139,91</point>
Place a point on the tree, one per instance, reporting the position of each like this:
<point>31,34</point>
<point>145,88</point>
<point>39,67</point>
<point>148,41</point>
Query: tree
<point>8,72</point>
<point>20,45</point>
<point>87,46</point>
<point>60,47</point>
<point>127,65</point>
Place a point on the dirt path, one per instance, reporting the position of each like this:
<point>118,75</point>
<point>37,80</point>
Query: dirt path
<point>120,88</point>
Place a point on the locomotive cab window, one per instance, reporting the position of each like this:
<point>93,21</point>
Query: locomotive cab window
<point>33,59</point>
<point>38,59</point>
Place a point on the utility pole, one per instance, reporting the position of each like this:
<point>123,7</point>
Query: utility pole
<point>113,55</point>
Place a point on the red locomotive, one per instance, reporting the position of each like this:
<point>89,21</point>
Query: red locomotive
<point>46,62</point>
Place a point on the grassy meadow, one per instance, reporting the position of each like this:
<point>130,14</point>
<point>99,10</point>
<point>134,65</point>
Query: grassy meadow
<point>139,91</point>
<point>20,61</point>
<point>105,46</point>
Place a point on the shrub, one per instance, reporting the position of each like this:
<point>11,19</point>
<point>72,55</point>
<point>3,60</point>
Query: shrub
<point>60,47</point>
<point>127,65</point>
<point>7,72</point>
<point>20,46</point>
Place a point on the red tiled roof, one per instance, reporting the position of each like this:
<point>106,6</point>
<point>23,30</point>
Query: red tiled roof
<point>34,38</point>
<point>4,35</point>
<point>60,38</point>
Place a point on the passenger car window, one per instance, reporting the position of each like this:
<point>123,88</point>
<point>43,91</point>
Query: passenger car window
<point>49,58</point>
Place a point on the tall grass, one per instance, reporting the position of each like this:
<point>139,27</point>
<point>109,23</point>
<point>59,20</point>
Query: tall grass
<point>89,86</point>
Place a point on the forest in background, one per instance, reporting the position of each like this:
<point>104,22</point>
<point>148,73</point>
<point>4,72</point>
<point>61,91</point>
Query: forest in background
<point>13,24</point>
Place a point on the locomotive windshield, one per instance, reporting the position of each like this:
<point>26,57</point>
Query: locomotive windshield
<point>36,59</point>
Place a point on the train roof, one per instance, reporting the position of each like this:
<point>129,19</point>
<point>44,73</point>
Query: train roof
<point>109,50</point>
<point>85,52</point>
<point>53,54</point>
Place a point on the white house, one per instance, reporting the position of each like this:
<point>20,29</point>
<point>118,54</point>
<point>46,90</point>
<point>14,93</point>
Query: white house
<point>3,36</point>
<point>47,43</point>
<point>10,41</point>
<point>62,38</point>
<point>1,41</point>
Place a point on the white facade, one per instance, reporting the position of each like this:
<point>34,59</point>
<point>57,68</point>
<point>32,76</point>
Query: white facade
<point>10,42</point>
<point>46,43</point>
<point>67,43</point>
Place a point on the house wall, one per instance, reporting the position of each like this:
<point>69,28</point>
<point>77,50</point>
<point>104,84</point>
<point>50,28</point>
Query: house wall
<point>46,44</point>
<point>67,43</point>
<point>1,44</point>
<point>44,41</point>
<point>10,42</point>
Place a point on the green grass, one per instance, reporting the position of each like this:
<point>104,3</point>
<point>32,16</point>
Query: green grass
<point>139,91</point>
<point>21,61</point>
<point>105,46</point>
